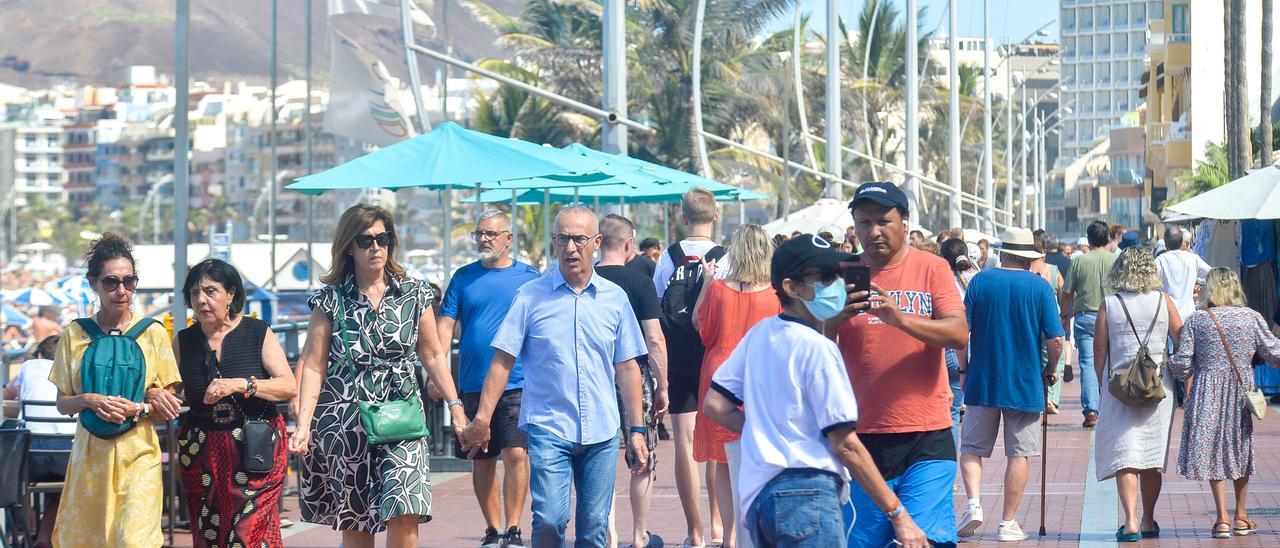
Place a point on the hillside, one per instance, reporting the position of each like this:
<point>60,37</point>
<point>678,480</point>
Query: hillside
<point>92,41</point>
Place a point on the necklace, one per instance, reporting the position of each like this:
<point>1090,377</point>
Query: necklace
<point>127,317</point>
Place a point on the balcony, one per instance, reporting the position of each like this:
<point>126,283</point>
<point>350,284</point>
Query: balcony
<point>1157,134</point>
<point>1112,177</point>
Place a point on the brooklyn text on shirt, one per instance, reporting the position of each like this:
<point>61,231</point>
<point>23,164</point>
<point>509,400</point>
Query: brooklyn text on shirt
<point>919,303</point>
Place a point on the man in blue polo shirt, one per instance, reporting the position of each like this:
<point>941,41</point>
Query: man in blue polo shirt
<point>1012,313</point>
<point>575,333</point>
<point>478,297</point>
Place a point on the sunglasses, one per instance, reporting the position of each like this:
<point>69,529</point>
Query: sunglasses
<point>111,283</point>
<point>365,241</point>
<point>826,276</point>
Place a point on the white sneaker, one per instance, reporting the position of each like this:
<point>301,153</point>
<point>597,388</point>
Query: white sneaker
<point>971,520</point>
<point>1010,532</point>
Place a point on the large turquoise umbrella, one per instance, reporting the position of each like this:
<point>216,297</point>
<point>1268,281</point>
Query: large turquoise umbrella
<point>453,156</point>
<point>615,194</point>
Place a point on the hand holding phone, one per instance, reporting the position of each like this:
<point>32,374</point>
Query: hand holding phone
<point>859,278</point>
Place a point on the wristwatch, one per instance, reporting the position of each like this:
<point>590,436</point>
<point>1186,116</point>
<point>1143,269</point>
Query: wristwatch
<point>638,429</point>
<point>451,403</point>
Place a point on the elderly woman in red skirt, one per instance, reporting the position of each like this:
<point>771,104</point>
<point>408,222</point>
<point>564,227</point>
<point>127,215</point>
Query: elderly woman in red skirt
<point>233,373</point>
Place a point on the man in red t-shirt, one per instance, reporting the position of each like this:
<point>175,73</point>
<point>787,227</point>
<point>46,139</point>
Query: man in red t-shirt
<point>892,341</point>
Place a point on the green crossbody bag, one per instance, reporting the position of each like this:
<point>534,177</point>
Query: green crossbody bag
<point>388,421</point>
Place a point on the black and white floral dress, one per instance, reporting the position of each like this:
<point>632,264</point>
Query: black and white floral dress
<point>346,482</point>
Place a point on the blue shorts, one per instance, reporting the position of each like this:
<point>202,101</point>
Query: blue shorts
<point>926,491</point>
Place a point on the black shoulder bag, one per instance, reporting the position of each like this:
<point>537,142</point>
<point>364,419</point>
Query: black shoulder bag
<point>257,447</point>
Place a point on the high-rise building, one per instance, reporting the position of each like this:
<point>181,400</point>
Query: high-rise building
<point>1104,45</point>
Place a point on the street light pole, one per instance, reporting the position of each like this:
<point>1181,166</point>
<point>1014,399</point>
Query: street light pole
<point>271,179</point>
<point>913,108</point>
<point>988,186</point>
<point>953,82</point>
<point>1023,127</point>
<point>614,139</point>
<point>181,173</point>
<point>1008,141</point>
<point>833,99</point>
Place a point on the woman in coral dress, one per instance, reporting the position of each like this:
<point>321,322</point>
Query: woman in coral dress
<point>725,311</point>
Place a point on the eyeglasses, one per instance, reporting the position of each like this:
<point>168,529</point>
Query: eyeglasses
<point>562,240</point>
<point>826,276</point>
<point>111,283</point>
<point>487,234</point>
<point>365,241</point>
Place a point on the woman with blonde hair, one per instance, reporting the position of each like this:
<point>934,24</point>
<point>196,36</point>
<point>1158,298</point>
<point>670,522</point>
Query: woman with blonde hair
<point>725,311</point>
<point>1132,443</point>
<point>371,323</point>
<point>1214,354</point>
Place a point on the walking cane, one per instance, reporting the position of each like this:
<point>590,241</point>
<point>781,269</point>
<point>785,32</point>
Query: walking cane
<point>1044,454</point>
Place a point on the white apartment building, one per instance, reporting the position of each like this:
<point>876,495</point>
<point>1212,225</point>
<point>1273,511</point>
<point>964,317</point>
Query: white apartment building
<point>35,152</point>
<point>1103,57</point>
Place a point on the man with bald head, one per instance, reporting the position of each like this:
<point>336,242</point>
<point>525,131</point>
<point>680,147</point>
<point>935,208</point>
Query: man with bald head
<point>576,335</point>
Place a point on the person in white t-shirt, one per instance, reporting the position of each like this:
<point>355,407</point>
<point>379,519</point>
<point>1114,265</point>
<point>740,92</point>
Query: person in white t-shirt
<point>1180,270</point>
<point>798,415</point>
<point>32,384</point>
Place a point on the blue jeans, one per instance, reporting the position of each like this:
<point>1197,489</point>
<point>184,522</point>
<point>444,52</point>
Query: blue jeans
<point>797,508</point>
<point>1083,331</point>
<point>555,467</point>
<point>957,392</point>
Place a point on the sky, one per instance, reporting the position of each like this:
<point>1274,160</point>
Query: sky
<point>1011,20</point>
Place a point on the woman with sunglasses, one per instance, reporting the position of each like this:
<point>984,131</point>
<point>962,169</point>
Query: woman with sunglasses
<point>723,314</point>
<point>233,373</point>
<point>114,490</point>
<point>369,327</point>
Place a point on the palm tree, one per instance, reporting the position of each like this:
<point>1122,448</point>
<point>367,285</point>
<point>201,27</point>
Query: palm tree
<point>1208,174</point>
<point>1264,122</point>
<point>1237,107</point>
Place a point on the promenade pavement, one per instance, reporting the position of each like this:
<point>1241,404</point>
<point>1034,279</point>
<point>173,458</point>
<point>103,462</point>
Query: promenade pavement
<point>1079,511</point>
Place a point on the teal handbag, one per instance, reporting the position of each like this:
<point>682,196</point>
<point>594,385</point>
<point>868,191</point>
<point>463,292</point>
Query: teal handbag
<point>388,421</point>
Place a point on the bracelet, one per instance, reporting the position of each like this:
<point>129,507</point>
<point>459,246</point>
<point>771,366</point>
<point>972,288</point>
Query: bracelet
<point>451,403</point>
<point>895,511</point>
<point>146,411</point>
<point>638,429</point>
<point>251,387</point>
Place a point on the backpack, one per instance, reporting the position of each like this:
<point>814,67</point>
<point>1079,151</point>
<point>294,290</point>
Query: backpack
<point>113,365</point>
<point>683,288</point>
<point>1138,382</point>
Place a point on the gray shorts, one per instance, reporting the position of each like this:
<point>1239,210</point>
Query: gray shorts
<point>978,432</point>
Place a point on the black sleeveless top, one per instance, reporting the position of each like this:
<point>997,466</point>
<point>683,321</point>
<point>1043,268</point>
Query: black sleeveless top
<point>241,359</point>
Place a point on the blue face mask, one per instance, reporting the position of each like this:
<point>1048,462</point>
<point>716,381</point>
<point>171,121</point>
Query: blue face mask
<point>828,300</point>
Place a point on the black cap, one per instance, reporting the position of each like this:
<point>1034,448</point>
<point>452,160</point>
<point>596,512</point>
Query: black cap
<point>801,252</point>
<point>885,194</point>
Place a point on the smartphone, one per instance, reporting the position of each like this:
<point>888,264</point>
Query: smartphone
<point>858,276</point>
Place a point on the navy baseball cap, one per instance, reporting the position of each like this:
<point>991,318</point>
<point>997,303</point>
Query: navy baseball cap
<point>883,193</point>
<point>801,252</point>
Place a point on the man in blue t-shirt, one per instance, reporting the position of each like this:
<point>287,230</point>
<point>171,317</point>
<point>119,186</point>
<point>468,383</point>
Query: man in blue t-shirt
<point>476,301</point>
<point>1011,311</point>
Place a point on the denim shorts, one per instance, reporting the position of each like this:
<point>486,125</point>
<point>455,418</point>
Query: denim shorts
<point>799,507</point>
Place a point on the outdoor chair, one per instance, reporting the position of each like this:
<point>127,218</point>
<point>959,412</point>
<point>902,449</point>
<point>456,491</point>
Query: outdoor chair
<point>14,444</point>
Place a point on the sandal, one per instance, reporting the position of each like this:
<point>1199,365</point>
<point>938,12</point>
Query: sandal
<point>1221,534</point>
<point>686,544</point>
<point>1250,528</point>
<point>1154,532</point>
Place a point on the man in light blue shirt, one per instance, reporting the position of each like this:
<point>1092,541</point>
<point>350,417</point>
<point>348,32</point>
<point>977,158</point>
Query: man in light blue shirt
<point>572,331</point>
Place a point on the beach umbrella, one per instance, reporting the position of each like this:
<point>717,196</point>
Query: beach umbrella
<point>39,297</point>
<point>1254,196</point>
<point>13,317</point>
<point>453,156</point>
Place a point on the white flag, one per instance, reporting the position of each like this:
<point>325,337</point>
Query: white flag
<point>363,98</point>
<point>381,8</point>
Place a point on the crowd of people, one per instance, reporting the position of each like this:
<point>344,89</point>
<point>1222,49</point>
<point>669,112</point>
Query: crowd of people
<point>843,409</point>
